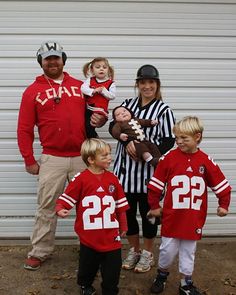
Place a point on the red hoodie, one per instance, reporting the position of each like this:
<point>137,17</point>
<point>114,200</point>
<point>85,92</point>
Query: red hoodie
<point>61,126</point>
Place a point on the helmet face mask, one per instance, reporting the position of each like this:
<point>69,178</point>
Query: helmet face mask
<point>147,72</point>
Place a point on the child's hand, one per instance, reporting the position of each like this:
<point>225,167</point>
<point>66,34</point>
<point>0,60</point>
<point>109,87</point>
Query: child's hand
<point>221,212</point>
<point>122,234</point>
<point>123,137</point>
<point>98,90</point>
<point>154,122</point>
<point>63,213</point>
<point>155,213</point>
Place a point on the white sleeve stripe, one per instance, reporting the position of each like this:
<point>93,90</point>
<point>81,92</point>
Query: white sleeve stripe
<point>157,180</point>
<point>221,189</point>
<point>122,205</point>
<point>69,198</point>
<point>67,201</point>
<point>219,185</point>
<point>156,185</point>
<point>121,200</point>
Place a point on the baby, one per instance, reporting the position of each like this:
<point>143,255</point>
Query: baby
<point>129,128</point>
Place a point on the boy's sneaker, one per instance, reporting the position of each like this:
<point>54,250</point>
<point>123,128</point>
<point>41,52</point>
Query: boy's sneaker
<point>159,284</point>
<point>89,290</point>
<point>189,290</point>
<point>131,260</point>
<point>145,263</point>
<point>32,263</point>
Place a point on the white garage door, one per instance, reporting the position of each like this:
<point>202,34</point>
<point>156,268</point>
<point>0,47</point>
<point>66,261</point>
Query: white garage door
<point>192,44</point>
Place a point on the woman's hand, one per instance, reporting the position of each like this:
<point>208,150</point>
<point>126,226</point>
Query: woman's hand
<point>131,151</point>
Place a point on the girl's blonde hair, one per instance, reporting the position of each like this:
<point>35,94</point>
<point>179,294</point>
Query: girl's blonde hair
<point>87,68</point>
<point>189,125</point>
<point>91,147</point>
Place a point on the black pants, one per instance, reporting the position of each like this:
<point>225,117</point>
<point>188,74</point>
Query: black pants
<point>109,263</point>
<point>90,130</point>
<point>139,201</point>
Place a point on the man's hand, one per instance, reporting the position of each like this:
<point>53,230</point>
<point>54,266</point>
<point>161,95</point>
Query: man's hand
<point>97,120</point>
<point>33,169</point>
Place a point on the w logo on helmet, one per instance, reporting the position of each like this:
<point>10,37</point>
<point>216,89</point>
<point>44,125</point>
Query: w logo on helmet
<point>52,46</point>
<point>48,46</point>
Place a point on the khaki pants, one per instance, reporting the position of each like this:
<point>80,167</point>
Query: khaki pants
<point>53,174</point>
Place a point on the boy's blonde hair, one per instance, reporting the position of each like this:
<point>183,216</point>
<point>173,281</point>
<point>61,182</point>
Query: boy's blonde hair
<point>189,125</point>
<point>87,68</point>
<point>91,147</point>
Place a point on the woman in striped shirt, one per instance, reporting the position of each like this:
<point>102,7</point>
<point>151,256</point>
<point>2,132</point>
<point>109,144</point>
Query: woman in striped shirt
<point>135,174</point>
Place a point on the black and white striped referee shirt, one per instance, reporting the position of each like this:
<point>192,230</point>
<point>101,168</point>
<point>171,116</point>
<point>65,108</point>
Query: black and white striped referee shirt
<point>135,175</point>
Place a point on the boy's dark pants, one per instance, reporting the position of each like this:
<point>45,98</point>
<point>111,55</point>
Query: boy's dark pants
<point>109,263</point>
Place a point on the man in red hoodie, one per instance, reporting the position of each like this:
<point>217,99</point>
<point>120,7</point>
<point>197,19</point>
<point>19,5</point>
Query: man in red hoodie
<point>54,103</point>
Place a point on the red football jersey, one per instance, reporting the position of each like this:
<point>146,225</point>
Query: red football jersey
<point>97,201</point>
<point>186,178</point>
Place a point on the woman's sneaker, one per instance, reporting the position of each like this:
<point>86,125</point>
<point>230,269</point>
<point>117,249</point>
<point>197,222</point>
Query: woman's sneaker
<point>189,289</point>
<point>145,263</point>
<point>131,260</point>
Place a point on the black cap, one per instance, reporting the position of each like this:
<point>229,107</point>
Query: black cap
<point>113,112</point>
<point>147,72</point>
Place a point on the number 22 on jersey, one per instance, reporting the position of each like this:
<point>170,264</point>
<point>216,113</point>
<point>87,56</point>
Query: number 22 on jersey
<point>103,222</point>
<point>189,188</point>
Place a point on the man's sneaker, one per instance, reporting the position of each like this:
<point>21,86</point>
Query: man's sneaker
<point>131,260</point>
<point>89,290</point>
<point>32,263</point>
<point>145,263</point>
<point>189,290</point>
<point>159,283</point>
